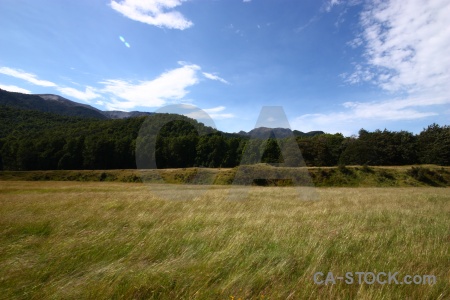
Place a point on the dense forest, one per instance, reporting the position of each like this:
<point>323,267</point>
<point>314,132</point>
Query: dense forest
<point>33,140</point>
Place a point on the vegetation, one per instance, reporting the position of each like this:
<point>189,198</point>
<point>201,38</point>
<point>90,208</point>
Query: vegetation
<point>32,140</point>
<point>116,240</point>
<point>112,237</point>
<point>58,105</point>
<point>342,176</point>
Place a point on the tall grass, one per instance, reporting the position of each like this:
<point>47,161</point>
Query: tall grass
<point>261,174</point>
<point>103,240</point>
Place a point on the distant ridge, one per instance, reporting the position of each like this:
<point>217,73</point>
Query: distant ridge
<point>59,105</point>
<point>49,103</point>
<point>264,132</point>
<point>62,106</point>
<point>117,114</point>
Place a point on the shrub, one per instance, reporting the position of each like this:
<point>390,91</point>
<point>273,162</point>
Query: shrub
<point>344,170</point>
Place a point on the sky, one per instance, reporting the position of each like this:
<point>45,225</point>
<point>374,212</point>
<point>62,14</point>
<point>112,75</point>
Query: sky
<point>332,65</point>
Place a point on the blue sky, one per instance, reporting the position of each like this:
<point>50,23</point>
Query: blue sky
<point>333,65</point>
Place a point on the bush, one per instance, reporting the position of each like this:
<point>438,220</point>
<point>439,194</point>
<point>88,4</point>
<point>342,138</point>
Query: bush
<point>344,170</point>
<point>386,174</point>
<point>427,176</point>
<point>367,169</point>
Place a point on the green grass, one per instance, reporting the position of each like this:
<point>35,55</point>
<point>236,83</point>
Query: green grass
<point>110,240</point>
<point>343,176</point>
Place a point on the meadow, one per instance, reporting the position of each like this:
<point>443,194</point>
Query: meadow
<point>342,176</point>
<point>113,240</point>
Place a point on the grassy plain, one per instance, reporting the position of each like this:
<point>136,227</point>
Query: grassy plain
<point>112,240</point>
<point>343,176</point>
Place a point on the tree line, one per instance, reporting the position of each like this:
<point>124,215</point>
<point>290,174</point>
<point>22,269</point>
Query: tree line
<point>31,140</point>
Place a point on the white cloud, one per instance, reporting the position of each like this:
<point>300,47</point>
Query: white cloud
<point>214,77</point>
<point>356,42</point>
<point>31,78</point>
<point>360,74</point>
<point>217,113</point>
<point>329,4</point>
<point>215,109</point>
<point>222,116</point>
<point>168,87</point>
<point>88,94</point>
<point>13,88</point>
<point>406,46</point>
<point>304,26</point>
<point>213,113</point>
<point>247,1</point>
<point>356,115</point>
<point>153,12</point>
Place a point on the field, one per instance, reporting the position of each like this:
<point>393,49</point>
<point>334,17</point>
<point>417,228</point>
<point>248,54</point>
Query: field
<point>343,176</point>
<point>110,240</point>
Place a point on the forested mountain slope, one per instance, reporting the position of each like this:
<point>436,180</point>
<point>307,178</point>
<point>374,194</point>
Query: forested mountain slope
<point>62,106</point>
<point>34,140</point>
<point>49,103</point>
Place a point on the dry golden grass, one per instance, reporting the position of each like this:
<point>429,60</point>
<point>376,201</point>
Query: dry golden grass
<point>103,240</point>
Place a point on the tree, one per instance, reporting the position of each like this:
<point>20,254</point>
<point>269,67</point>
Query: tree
<point>211,151</point>
<point>358,152</point>
<point>272,153</point>
<point>434,145</point>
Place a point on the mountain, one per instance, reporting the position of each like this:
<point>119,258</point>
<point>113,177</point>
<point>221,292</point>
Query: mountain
<point>307,134</point>
<point>61,100</point>
<point>117,114</point>
<point>264,132</point>
<point>59,105</point>
<point>49,103</point>
<point>62,106</point>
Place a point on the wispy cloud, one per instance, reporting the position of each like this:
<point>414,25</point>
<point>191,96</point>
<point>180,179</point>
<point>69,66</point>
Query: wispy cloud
<point>355,115</point>
<point>169,86</point>
<point>204,115</point>
<point>214,77</point>
<point>121,94</point>
<point>13,88</point>
<point>153,12</point>
<point>217,113</point>
<point>31,78</point>
<point>88,94</point>
<point>360,74</point>
<point>330,3</point>
<point>304,26</point>
<point>406,46</point>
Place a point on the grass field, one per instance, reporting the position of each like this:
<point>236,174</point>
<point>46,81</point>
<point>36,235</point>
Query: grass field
<point>111,240</point>
<point>343,176</point>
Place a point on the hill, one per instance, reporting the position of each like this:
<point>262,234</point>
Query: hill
<point>35,140</point>
<point>59,105</point>
<point>117,114</point>
<point>50,104</point>
<point>56,104</point>
<point>264,132</point>
<point>48,132</point>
